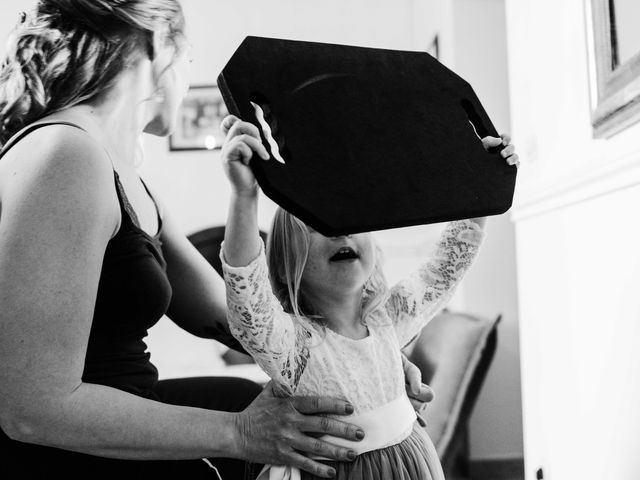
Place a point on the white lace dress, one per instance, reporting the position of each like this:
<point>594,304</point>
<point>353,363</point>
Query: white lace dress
<point>367,372</point>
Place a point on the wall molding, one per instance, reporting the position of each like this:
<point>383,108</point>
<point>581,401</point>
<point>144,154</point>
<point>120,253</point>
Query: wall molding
<point>609,178</point>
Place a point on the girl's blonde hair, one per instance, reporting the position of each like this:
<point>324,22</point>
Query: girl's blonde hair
<point>67,52</point>
<point>287,253</point>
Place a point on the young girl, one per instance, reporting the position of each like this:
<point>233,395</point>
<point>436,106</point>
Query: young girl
<point>317,316</point>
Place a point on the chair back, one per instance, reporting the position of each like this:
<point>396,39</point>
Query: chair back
<point>454,352</point>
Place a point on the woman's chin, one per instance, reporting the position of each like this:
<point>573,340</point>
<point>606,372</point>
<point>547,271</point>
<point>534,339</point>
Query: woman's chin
<point>159,128</point>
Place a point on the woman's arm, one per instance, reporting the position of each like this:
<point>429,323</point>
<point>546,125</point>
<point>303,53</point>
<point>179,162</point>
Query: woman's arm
<point>59,210</point>
<point>198,300</point>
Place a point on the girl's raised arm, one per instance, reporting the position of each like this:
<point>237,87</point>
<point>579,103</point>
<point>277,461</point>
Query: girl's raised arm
<point>416,300</point>
<point>256,317</point>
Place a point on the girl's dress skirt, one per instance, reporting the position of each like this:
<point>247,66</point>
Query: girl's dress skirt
<point>414,458</point>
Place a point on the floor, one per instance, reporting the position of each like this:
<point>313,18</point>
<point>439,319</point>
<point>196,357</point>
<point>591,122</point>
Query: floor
<point>512,469</point>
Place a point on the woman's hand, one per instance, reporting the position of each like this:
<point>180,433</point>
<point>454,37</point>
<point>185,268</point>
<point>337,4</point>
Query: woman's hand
<point>277,431</point>
<point>242,141</point>
<point>419,394</point>
<point>507,152</point>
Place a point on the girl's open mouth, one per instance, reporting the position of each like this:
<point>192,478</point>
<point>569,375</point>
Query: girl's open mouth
<point>343,254</point>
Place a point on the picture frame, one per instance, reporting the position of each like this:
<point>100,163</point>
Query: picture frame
<point>434,48</point>
<point>199,119</point>
<point>616,72</point>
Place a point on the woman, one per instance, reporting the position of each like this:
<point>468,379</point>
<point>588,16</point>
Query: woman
<point>89,261</point>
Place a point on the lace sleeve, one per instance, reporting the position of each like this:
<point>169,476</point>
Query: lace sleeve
<point>256,318</point>
<point>414,301</point>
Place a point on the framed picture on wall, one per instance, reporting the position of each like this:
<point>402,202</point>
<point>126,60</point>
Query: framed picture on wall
<point>199,118</point>
<point>434,48</point>
<point>616,57</point>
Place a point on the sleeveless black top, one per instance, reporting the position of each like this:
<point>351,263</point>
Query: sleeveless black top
<point>133,294</point>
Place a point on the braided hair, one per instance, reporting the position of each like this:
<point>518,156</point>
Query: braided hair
<point>67,52</point>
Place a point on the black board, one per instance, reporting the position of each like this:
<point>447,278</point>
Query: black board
<point>370,138</point>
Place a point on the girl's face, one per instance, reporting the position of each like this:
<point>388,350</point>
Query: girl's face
<point>338,265</point>
<point>172,86</point>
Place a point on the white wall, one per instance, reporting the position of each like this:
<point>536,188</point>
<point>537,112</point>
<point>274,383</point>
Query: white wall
<point>9,10</point>
<point>480,56</point>
<point>578,265</point>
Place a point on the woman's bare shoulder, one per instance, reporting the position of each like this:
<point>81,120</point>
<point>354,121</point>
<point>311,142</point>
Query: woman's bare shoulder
<point>62,165</point>
<point>55,147</point>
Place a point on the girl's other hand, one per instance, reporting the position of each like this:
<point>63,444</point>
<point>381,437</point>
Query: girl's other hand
<point>242,141</point>
<point>508,150</point>
<point>419,394</point>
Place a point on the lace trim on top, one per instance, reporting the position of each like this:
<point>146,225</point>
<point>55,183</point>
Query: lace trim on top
<point>280,344</point>
<point>413,302</point>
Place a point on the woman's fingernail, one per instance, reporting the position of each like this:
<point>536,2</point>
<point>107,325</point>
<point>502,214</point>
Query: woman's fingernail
<point>332,473</point>
<point>352,455</point>
<point>359,434</point>
<point>348,408</point>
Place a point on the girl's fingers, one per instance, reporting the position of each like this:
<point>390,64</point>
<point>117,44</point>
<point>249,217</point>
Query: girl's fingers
<point>243,128</point>
<point>488,142</point>
<point>412,377</point>
<point>417,405</point>
<point>514,160</point>
<point>244,132</point>
<point>227,123</point>
<point>240,151</point>
<point>508,151</point>
<point>426,394</point>
<point>254,145</point>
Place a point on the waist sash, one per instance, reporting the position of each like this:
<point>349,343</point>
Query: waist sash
<point>384,426</point>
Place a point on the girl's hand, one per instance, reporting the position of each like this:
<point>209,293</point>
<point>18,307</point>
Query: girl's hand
<point>419,394</point>
<point>280,431</point>
<point>242,141</point>
<point>507,152</point>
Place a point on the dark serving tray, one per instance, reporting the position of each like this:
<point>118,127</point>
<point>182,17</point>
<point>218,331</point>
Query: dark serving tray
<point>365,139</point>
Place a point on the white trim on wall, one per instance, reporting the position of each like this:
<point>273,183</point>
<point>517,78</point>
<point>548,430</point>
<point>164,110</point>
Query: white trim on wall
<point>608,178</point>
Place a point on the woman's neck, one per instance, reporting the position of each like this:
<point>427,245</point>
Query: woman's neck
<point>118,131</point>
<point>116,121</point>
